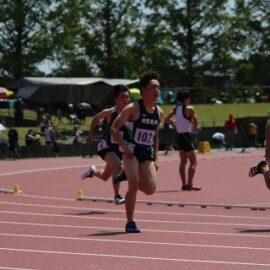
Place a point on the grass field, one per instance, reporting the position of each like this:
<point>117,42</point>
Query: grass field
<point>208,115</point>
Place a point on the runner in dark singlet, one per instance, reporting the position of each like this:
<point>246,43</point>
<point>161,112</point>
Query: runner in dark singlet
<point>140,148</point>
<point>108,149</point>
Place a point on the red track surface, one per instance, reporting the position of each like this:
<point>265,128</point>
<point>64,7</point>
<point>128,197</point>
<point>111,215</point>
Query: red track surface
<point>45,227</point>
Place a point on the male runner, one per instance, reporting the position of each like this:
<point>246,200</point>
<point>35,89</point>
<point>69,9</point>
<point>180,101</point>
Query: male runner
<point>108,149</point>
<point>140,146</point>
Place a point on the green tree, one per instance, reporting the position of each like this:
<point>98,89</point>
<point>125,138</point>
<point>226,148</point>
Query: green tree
<point>181,32</point>
<point>108,35</point>
<point>250,30</point>
<point>260,35</point>
<point>23,37</point>
<point>67,30</point>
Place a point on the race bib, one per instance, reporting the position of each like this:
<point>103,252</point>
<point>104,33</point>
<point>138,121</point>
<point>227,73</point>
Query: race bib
<point>144,136</point>
<point>102,145</point>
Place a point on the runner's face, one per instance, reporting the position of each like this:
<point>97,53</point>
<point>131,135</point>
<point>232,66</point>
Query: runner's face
<point>123,99</point>
<point>152,90</point>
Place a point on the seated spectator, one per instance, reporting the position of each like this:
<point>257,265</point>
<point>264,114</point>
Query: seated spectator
<point>218,140</point>
<point>32,138</point>
<point>45,121</point>
<point>77,135</point>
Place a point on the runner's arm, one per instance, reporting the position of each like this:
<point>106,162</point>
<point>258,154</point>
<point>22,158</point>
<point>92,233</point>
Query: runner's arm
<point>125,115</point>
<point>168,119</point>
<point>193,116</point>
<point>104,114</point>
<point>156,139</point>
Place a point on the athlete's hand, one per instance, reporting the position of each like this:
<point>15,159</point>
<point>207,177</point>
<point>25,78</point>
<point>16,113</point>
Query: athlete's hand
<point>128,153</point>
<point>156,165</point>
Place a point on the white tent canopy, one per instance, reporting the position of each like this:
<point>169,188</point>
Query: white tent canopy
<point>44,90</point>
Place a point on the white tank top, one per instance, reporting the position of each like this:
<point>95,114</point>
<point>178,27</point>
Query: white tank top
<point>183,124</point>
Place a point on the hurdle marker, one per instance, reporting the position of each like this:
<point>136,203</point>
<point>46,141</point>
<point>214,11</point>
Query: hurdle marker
<point>16,190</point>
<point>81,197</point>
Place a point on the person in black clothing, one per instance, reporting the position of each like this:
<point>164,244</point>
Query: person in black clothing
<point>32,138</point>
<point>18,112</point>
<point>13,138</point>
<point>108,149</point>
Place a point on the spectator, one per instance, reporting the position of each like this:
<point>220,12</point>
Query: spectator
<point>51,135</point>
<point>77,135</point>
<point>45,122</point>
<point>59,113</point>
<point>231,127</point>
<point>71,114</point>
<point>252,134</point>
<point>218,140</point>
<point>81,115</point>
<point>40,112</point>
<point>13,143</point>
<point>18,112</point>
<point>169,97</point>
<point>32,138</point>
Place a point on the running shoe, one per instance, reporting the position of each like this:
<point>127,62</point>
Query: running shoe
<point>118,199</point>
<point>89,172</point>
<point>132,228</point>
<point>190,187</point>
<point>185,187</point>
<point>256,169</point>
<point>120,177</point>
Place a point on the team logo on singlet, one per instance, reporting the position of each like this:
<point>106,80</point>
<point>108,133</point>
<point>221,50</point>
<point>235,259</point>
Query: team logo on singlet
<point>150,121</point>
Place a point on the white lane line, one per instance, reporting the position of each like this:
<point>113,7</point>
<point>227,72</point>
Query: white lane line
<point>187,204</point>
<point>200,223</point>
<point>50,169</point>
<point>133,242</point>
<point>54,252</point>
<point>165,160</point>
<point>12,268</point>
<point>123,211</point>
<point>173,159</point>
<point>145,230</point>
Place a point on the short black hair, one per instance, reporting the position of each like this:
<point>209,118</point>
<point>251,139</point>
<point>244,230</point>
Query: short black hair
<point>119,88</point>
<point>147,77</point>
<point>182,95</point>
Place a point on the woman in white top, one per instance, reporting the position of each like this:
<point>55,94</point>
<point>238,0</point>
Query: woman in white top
<point>185,121</point>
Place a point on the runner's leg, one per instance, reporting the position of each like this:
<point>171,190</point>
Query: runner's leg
<point>191,156</point>
<point>182,166</point>
<point>148,176</point>
<point>133,177</point>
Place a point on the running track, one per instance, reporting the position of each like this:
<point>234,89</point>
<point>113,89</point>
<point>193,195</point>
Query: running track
<point>45,227</point>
